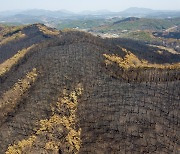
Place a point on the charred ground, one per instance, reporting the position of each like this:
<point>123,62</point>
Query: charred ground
<point>71,92</point>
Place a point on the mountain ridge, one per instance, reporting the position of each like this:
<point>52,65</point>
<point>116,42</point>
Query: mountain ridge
<point>132,10</point>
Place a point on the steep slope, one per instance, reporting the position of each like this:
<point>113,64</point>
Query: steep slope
<point>1,27</point>
<point>14,39</point>
<point>76,93</point>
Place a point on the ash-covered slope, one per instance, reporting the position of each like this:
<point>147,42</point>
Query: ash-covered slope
<point>13,39</point>
<point>76,93</point>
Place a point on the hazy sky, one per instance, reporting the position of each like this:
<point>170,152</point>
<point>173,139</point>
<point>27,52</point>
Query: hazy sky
<point>79,5</point>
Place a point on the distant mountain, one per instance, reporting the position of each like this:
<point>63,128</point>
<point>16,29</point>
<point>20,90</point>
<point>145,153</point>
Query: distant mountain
<point>145,12</point>
<point>46,16</point>
<point>98,12</point>
<point>136,10</point>
<point>37,12</point>
<point>33,16</point>
<point>127,20</point>
<point>164,14</point>
<point>22,19</point>
<point>133,11</point>
<point>9,13</point>
<point>134,24</point>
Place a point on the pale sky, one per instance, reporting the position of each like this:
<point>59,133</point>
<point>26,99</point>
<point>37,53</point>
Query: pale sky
<point>80,5</point>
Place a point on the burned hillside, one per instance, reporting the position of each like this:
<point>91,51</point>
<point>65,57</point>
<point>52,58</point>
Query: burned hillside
<point>71,92</point>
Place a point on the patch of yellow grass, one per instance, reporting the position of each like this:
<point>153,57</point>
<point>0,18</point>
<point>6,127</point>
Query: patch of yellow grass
<point>21,146</point>
<point>18,35</point>
<point>11,97</point>
<point>70,101</point>
<point>52,145</point>
<point>47,31</point>
<point>8,64</point>
<point>59,123</point>
<point>131,61</point>
<point>165,48</point>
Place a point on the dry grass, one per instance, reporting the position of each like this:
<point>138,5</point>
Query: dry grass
<point>70,100</point>
<point>161,48</point>
<point>131,61</point>
<point>16,36</point>
<point>10,98</point>
<point>47,31</point>
<point>57,122</point>
<point>21,146</point>
<point>8,64</point>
